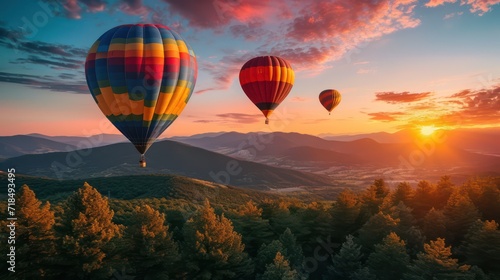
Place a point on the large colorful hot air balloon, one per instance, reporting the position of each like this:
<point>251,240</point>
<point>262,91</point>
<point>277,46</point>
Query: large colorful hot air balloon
<point>141,76</point>
<point>266,80</point>
<point>330,98</point>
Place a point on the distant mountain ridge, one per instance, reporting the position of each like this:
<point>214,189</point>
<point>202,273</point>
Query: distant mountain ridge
<point>165,157</point>
<point>17,145</point>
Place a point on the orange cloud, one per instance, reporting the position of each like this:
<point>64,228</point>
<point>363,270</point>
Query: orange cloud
<point>400,97</point>
<point>385,116</point>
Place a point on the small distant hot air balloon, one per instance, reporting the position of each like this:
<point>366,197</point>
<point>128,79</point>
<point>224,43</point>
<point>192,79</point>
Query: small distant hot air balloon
<point>141,76</point>
<point>330,98</point>
<point>266,80</point>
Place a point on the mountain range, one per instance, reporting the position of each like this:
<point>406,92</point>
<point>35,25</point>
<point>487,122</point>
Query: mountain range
<point>266,161</point>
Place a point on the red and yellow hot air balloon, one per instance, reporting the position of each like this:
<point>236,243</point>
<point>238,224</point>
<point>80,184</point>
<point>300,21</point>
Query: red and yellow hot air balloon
<point>266,80</point>
<point>141,76</point>
<point>330,98</point>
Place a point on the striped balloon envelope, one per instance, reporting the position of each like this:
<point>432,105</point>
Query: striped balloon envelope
<point>330,98</point>
<point>141,76</point>
<point>266,80</point>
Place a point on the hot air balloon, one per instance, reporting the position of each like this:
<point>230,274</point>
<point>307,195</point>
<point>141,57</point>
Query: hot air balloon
<point>141,76</point>
<point>330,98</point>
<point>266,80</point>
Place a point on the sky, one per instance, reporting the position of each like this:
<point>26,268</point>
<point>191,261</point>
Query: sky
<point>397,63</point>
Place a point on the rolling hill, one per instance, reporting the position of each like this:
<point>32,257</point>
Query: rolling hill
<point>83,142</point>
<point>165,157</point>
<point>300,150</point>
<point>148,187</point>
<point>13,146</point>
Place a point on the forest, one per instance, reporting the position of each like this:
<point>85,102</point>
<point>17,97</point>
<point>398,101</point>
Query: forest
<point>428,230</point>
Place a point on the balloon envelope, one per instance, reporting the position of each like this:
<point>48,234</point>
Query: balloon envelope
<point>266,80</point>
<point>141,76</point>
<point>330,98</point>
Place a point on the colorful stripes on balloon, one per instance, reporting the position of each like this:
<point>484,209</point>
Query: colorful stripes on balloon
<point>330,98</point>
<point>141,76</point>
<point>266,80</point>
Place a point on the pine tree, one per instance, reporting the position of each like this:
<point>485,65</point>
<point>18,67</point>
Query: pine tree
<point>444,189</point>
<point>345,213</point>
<point>346,261</point>
<point>34,236</point>
<point>372,199</point>
<point>213,250</point>
<point>436,263</point>
<point>406,227</point>
<point>483,247</point>
<point>434,224</point>
<point>389,261</point>
<point>423,199</point>
<point>254,230</point>
<point>279,270</point>
<point>293,250</point>
<point>378,227</point>
<point>266,254</point>
<point>460,214</point>
<point>403,193</point>
<point>86,230</point>
<point>152,252</point>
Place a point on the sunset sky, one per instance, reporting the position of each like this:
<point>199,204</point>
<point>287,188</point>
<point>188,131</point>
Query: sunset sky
<point>397,64</point>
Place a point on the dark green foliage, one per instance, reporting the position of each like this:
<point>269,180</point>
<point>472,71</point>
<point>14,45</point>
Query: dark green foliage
<point>436,263</point>
<point>279,270</point>
<point>162,227</point>
<point>434,224</point>
<point>266,254</point>
<point>345,213</point>
<point>460,213</point>
<point>151,250</point>
<point>378,227</point>
<point>34,236</point>
<point>85,234</point>
<point>254,229</point>
<point>347,261</point>
<point>389,260</point>
<point>482,246</point>
<point>213,250</point>
<point>292,250</point>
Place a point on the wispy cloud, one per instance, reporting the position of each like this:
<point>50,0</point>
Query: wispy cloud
<point>476,107</point>
<point>385,116</point>
<point>400,97</point>
<point>240,118</point>
<point>44,82</point>
<point>476,6</point>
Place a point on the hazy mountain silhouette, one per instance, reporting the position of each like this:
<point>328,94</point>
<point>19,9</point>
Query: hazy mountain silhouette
<point>84,142</point>
<point>422,152</point>
<point>13,146</point>
<point>165,157</point>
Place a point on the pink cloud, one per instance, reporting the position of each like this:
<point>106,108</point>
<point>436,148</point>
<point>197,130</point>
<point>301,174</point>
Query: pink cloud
<point>73,8</point>
<point>481,6</point>
<point>435,3</point>
<point>214,14</point>
<point>476,6</point>
<point>134,7</point>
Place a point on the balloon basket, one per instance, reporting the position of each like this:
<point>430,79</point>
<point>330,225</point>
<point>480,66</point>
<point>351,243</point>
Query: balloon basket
<point>267,121</point>
<point>142,162</point>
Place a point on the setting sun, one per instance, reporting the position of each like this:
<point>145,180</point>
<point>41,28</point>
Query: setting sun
<point>427,130</point>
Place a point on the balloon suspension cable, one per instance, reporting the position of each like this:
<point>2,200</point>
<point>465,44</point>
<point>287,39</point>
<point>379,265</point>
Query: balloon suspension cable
<point>267,121</point>
<point>142,162</point>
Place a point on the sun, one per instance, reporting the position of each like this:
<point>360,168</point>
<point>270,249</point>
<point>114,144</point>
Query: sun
<point>427,130</point>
